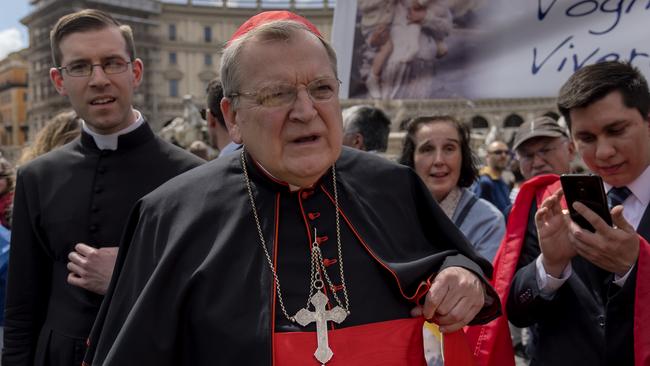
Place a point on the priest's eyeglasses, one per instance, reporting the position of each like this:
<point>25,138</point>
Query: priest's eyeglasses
<point>110,66</point>
<point>282,95</point>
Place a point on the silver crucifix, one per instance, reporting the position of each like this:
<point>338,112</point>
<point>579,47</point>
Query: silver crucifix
<point>323,353</point>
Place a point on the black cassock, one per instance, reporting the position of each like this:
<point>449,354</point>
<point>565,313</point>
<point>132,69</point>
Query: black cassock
<point>77,193</point>
<point>194,286</point>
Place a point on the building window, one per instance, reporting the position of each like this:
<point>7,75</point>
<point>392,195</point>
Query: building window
<point>172,58</point>
<point>513,120</point>
<point>172,32</point>
<point>479,122</point>
<point>207,34</point>
<point>173,88</point>
<point>207,59</point>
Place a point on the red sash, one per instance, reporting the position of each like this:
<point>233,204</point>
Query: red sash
<point>491,343</point>
<point>641,309</point>
<point>389,343</point>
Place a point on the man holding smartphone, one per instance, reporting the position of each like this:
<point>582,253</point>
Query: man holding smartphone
<point>582,298</point>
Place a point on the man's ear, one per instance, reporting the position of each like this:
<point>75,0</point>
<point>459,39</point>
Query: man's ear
<point>572,149</point>
<point>210,119</point>
<point>138,69</point>
<point>230,117</point>
<point>357,141</point>
<point>57,79</point>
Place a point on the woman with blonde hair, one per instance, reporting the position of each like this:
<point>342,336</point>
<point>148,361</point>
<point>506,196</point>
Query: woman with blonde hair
<point>58,131</point>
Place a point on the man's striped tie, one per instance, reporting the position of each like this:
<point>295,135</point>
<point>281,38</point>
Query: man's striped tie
<point>617,195</point>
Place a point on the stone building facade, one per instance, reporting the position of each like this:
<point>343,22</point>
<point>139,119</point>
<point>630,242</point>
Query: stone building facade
<point>192,35</point>
<point>13,99</point>
<point>499,117</point>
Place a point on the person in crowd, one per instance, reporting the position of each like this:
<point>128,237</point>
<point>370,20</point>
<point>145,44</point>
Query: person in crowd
<point>6,192</point>
<point>542,147</point>
<point>290,224</point>
<point>366,128</point>
<point>437,147</point>
<point>544,151</point>
<point>217,130</point>
<point>5,237</point>
<point>58,131</point>
<point>490,185</point>
<point>6,202</point>
<point>71,203</point>
<point>518,179</point>
<point>200,149</point>
<point>586,292</point>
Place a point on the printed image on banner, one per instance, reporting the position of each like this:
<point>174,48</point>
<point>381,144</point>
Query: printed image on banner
<point>412,49</point>
<point>478,49</point>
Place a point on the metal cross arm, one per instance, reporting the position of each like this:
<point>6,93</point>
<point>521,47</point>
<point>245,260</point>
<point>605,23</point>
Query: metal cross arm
<point>321,316</point>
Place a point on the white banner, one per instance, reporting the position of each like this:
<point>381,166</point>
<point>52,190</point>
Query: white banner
<point>405,49</point>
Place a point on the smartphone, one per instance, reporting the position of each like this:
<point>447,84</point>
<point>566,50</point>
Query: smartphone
<point>587,189</point>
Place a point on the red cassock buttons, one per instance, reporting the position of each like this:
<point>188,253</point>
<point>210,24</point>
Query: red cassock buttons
<point>337,288</point>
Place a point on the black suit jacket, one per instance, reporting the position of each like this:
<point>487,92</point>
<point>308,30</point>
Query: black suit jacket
<point>74,194</point>
<point>589,320</point>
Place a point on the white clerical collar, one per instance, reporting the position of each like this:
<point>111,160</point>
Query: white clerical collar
<point>639,187</point>
<point>292,188</point>
<point>109,142</point>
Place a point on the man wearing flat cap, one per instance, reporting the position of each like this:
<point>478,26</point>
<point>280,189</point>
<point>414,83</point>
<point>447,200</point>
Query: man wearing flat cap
<point>542,146</point>
<point>294,251</point>
<point>544,151</point>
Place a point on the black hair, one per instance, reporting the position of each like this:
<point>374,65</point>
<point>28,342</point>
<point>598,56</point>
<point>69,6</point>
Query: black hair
<point>373,124</point>
<point>215,94</point>
<point>592,83</point>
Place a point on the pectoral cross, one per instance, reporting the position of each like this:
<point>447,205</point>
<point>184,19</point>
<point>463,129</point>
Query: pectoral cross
<point>323,353</point>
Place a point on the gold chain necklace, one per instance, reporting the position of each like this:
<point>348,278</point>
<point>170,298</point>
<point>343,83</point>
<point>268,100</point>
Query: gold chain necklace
<point>316,255</point>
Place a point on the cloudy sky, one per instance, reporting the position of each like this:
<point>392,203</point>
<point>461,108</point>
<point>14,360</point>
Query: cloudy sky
<point>13,35</point>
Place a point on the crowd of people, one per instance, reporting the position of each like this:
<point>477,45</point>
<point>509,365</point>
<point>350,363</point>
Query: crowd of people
<point>300,243</point>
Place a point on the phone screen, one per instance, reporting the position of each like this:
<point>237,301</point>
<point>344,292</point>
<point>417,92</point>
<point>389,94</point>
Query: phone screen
<point>587,189</point>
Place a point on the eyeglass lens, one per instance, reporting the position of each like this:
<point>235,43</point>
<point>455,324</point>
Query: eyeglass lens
<point>110,66</point>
